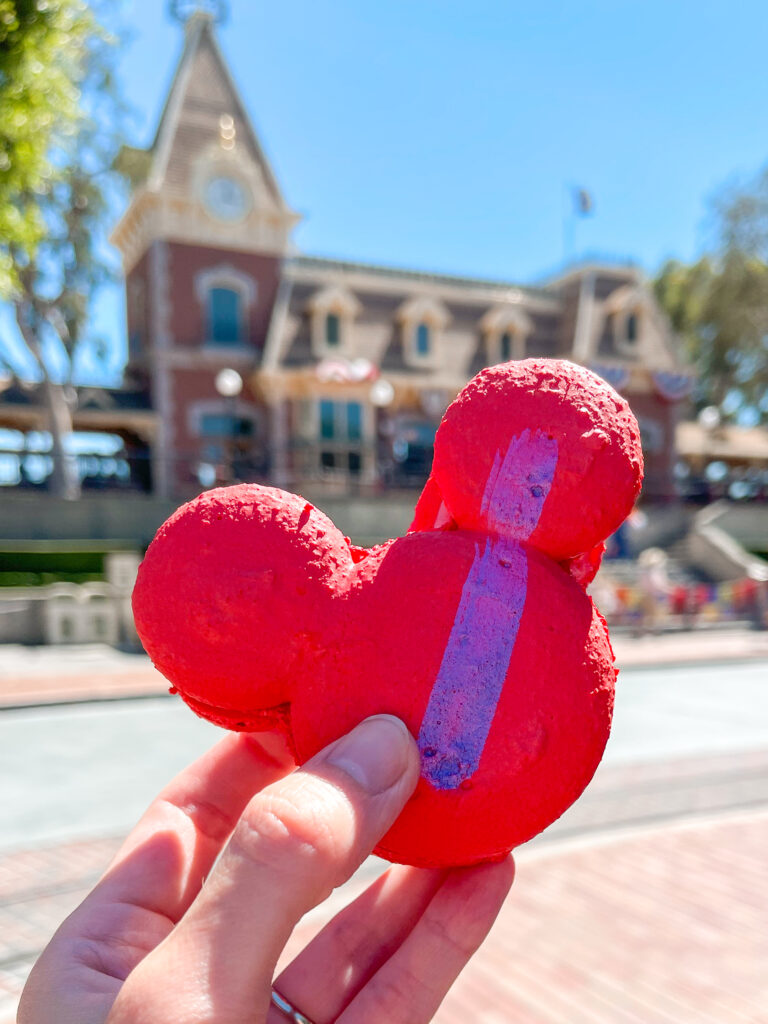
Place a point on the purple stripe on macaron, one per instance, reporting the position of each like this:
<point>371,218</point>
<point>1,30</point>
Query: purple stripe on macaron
<point>466,692</point>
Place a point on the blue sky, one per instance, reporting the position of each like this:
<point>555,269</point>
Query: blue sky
<point>444,136</point>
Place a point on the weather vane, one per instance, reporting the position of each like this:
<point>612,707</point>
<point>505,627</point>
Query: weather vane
<point>182,10</point>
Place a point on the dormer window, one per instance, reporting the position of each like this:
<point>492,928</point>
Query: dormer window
<point>628,321</point>
<point>627,328</point>
<point>227,296</point>
<point>332,330</point>
<point>632,331</point>
<point>422,321</point>
<point>332,312</point>
<point>505,347</point>
<point>505,329</point>
<point>422,339</point>
<point>225,317</point>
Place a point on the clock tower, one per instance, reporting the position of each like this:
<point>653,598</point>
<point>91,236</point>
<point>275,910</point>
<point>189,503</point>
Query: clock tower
<point>203,241</point>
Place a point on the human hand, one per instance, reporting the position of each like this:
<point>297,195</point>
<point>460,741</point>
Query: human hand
<point>152,944</point>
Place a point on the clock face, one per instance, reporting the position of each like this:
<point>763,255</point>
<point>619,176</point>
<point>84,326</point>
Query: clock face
<point>226,198</point>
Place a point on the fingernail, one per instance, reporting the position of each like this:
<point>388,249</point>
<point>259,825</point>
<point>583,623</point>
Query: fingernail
<point>375,753</point>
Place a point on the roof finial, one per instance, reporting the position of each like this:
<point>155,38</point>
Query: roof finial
<point>183,10</point>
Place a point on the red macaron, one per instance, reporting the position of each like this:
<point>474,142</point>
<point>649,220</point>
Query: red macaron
<point>474,628</point>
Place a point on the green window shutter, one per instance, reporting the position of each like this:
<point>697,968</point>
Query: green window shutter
<point>506,347</point>
<point>224,315</point>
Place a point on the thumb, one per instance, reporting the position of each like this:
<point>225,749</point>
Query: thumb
<point>295,842</point>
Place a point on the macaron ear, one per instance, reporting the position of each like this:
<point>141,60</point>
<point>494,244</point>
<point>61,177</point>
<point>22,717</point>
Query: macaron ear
<point>542,451</point>
<point>235,594</point>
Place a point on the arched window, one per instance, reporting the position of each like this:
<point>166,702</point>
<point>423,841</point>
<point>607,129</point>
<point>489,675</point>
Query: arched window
<point>225,316</point>
<point>423,340</point>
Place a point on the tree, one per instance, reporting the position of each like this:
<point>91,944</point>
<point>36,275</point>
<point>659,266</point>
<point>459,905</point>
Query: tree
<point>58,140</point>
<point>719,305</point>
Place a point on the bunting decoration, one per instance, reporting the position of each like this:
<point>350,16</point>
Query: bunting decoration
<point>346,371</point>
<point>616,376</point>
<point>673,387</point>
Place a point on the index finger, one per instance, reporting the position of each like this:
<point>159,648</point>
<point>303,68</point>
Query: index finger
<point>165,858</point>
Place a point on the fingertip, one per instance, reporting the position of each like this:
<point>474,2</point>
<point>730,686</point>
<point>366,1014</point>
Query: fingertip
<point>378,754</point>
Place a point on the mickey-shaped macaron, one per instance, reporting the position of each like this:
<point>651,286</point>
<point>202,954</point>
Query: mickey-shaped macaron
<point>474,628</point>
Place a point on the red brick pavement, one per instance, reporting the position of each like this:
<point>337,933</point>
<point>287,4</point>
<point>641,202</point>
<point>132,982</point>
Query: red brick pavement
<point>663,926</point>
<point>25,691</point>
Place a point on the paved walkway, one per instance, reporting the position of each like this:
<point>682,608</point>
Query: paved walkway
<point>661,926</point>
<point>606,924</point>
<point>51,675</point>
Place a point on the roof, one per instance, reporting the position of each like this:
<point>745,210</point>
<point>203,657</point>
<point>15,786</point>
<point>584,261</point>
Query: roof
<point>727,442</point>
<point>322,263</point>
<point>200,35</point>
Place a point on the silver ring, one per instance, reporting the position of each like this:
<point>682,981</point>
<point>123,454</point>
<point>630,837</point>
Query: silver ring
<point>290,1011</point>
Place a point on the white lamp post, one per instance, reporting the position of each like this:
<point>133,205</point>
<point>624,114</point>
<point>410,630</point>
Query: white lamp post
<point>229,384</point>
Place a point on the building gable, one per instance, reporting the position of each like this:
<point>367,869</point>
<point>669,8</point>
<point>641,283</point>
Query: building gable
<point>201,94</point>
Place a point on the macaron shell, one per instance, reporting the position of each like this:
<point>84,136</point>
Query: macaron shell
<point>599,456</point>
<point>236,595</point>
<point>551,722</point>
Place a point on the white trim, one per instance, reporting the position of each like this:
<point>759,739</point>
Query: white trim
<point>166,130</point>
<point>226,276</point>
<point>583,335</point>
<point>277,324</point>
<point>163,447</point>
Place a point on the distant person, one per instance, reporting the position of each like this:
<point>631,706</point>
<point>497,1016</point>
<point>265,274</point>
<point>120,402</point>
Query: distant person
<point>654,588</point>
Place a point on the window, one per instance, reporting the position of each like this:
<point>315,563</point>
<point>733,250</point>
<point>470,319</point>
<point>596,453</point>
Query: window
<point>227,299</point>
<point>332,330</point>
<point>354,421</point>
<point>632,327</point>
<point>505,347</point>
<point>422,322</point>
<point>341,424</point>
<point>331,313</point>
<point>341,421</point>
<point>224,317</point>
<point>225,425</point>
<point>422,339</point>
<point>328,420</point>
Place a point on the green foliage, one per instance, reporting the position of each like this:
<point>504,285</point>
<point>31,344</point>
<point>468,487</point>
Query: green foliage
<point>719,305</point>
<point>60,125</point>
<point>44,52</point>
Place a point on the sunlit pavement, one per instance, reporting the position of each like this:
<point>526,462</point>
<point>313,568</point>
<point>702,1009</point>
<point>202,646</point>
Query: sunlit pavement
<point>646,902</point>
